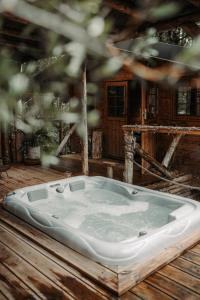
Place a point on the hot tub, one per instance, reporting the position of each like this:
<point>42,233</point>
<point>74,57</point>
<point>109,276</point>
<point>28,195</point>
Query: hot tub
<point>107,220</point>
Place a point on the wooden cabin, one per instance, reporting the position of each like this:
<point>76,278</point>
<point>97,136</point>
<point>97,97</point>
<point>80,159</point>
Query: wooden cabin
<point>126,100</point>
<point>36,266</point>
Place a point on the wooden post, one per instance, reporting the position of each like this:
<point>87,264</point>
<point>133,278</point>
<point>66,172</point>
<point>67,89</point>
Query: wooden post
<point>110,171</point>
<point>129,156</point>
<point>97,144</point>
<point>85,166</point>
<point>171,150</point>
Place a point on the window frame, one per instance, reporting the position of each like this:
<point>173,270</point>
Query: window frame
<point>152,116</point>
<point>116,83</point>
<point>185,117</point>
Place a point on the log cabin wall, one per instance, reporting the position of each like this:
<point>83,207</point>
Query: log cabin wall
<point>187,155</point>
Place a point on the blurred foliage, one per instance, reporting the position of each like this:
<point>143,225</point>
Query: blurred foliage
<point>35,94</point>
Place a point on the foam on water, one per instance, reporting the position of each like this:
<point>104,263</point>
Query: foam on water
<point>105,214</point>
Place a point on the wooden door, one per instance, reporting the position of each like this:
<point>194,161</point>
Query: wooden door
<point>115,118</point>
<point>149,117</point>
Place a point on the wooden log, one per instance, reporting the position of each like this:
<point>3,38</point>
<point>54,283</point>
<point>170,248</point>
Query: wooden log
<point>171,150</point>
<point>65,140</point>
<point>85,165</point>
<point>129,156</point>
<point>152,161</point>
<point>162,129</point>
<point>97,144</point>
<point>160,184</point>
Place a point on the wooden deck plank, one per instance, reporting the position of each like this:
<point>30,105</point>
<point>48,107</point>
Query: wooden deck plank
<point>92,269</point>
<point>187,267</point>
<point>148,292</point>
<point>129,296</point>
<point>3,297</point>
<point>13,288</point>
<point>170,287</point>
<point>40,284</point>
<point>192,256</point>
<point>182,278</point>
<point>57,274</point>
<point>73,272</point>
<point>196,249</point>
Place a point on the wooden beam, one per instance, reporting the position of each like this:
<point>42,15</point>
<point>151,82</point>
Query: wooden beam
<point>152,161</point>
<point>144,21</point>
<point>195,2</point>
<point>85,166</point>
<point>65,140</point>
<point>162,129</point>
<point>171,23</point>
<point>170,152</point>
<point>119,7</point>
<point>135,30</point>
<point>191,28</point>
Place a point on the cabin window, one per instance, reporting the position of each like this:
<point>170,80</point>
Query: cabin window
<point>187,101</point>
<point>116,100</point>
<point>153,95</point>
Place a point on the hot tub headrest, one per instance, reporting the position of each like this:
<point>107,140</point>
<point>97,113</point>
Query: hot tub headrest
<point>77,185</point>
<point>37,195</point>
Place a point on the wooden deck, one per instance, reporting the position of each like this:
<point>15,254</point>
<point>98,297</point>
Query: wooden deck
<point>34,266</point>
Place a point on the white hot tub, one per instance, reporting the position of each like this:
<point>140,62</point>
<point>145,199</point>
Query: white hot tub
<point>107,220</point>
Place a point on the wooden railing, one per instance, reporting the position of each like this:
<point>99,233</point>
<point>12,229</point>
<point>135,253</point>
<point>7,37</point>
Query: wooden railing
<point>131,146</point>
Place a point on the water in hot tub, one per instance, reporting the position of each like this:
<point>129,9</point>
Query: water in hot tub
<point>107,215</point>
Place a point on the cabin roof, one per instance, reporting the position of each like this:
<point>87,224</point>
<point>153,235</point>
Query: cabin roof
<point>130,19</point>
<point>124,12</point>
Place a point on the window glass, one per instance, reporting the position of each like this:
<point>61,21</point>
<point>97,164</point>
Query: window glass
<point>187,101</point>
<point>153,94</point>
<point>115,98</point>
